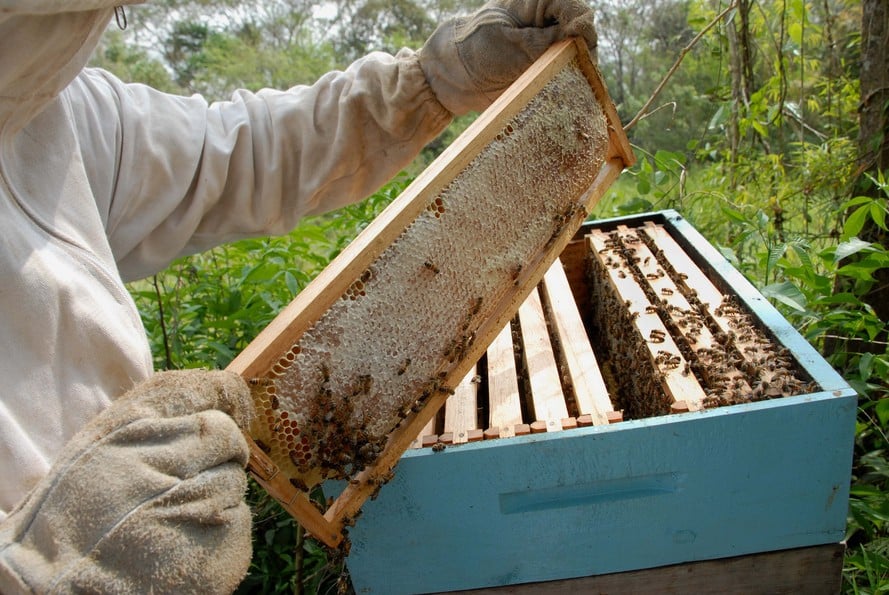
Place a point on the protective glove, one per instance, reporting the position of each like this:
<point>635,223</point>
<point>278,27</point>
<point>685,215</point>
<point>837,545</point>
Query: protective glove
<point>148,497</point>
<point>470,61</point>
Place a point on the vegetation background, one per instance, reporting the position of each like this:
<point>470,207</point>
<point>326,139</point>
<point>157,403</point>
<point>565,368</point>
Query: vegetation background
<point>771,138</point>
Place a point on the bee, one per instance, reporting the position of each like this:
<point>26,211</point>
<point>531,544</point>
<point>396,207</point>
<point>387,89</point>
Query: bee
<point>365,384</point>
<point>403,367</point>
<point>476,306</point>
<point>367,451</point>
<point>438,447</point>
<point>325,372</point>
<point>450,352</point>
<point>299,484</point>
<point>383,478</point>
<point>430,266</point>
<point>514,273</point>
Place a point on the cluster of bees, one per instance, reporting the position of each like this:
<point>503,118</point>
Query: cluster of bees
<point>734,362</point>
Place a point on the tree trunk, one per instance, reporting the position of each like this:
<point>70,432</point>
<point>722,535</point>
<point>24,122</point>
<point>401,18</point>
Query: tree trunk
<point>873,137</point>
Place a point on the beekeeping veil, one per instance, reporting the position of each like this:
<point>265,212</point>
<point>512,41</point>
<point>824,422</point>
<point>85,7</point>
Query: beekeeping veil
<point>44,44</point>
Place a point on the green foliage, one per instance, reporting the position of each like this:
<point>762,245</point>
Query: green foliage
<point>385,25</point>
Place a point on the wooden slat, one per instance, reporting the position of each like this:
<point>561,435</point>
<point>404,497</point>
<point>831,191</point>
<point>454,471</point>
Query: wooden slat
<point>505,409</point>
<point>686,318</point>
<point>813,570</point>
<point>461,412</point>
<point>295,502</point>
<point>543,372</point>
<point>677,384</point>
<point>590,392</point>
<point>694,279</point>
<point>428,430</point>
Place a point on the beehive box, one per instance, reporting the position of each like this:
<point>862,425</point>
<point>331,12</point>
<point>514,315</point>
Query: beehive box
<point>686,421</point>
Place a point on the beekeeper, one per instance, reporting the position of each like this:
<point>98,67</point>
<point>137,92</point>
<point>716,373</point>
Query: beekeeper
<point>112,478</point>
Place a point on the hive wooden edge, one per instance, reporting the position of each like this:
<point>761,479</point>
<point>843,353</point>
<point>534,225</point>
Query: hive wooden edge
<point>335,279</point>
<point>814,570</point>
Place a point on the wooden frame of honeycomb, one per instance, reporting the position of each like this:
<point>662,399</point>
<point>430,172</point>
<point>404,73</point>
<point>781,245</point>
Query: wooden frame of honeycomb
<point>350,372</point>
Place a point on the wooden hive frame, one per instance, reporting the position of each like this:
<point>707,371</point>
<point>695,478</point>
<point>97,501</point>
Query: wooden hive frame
<point>296,320</point>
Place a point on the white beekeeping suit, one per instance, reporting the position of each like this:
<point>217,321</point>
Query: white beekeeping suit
<point>103,182</point>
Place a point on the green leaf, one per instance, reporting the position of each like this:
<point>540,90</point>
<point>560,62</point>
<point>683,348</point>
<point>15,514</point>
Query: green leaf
<point>260,273</point>
<point>878,214</point>
<point>718,118</point>
<point>760,128</point>
<point>291,283</point>
<point>795,32</point>
<point>853,202</point>
<point>635,205</point>
<point>775,253</point>
<point>882,411</point>
<point>858,270</point>
<point>735,215</point>
<point>787,293</point>
<point>669,160</point>
<point>848,248</point>
<point>855,221</point>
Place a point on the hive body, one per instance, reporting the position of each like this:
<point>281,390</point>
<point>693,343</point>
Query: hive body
<point>761,461</point>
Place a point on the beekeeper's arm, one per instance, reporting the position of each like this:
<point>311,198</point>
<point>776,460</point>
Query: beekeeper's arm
<point>257,164</point>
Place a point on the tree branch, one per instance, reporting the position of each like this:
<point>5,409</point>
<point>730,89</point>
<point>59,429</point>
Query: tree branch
<point>643,112</point>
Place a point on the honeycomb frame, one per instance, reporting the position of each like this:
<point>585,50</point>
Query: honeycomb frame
<point>299,349</point>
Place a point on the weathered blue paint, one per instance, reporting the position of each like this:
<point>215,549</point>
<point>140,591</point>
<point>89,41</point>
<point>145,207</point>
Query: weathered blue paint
<point>723,482</point>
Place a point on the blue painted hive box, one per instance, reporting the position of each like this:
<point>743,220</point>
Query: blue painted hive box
<point>646,407</point>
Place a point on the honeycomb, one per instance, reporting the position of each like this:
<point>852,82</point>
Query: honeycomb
<point>327,406</point>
